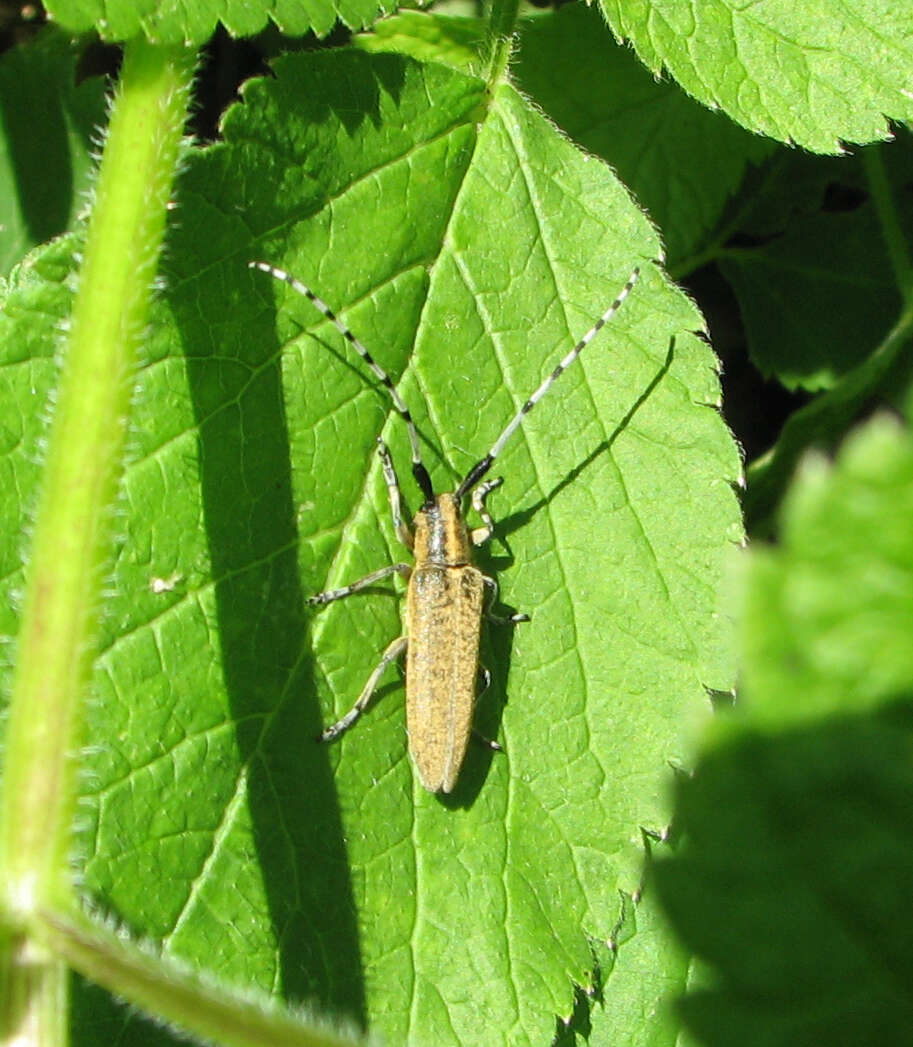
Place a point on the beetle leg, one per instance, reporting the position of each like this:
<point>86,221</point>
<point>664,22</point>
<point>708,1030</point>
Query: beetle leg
<point>512,619</point>
<point>393,651</point>
<point>369,579</point>
<point>489,743</point>
<point>485,681</point>
<point>482,534</point>
<point>403,531</point>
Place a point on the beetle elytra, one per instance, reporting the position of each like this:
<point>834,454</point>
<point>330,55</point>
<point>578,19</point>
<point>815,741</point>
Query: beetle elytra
<point>446,594</point>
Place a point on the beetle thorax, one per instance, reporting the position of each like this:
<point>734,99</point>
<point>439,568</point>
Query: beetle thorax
<point>441,536</point>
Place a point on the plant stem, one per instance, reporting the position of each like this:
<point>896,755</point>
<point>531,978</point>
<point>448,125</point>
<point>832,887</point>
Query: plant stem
<point>502,18</point>
<point>33,995</point>
<point>71,547</point>
<point>891,223</point>
<point>168,989</point>
<point>819,422</point>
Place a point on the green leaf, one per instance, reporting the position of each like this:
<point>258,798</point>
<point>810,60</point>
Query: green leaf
<point>801,73</point>
<point>798,818</point>
<point>428,37</point>
<point>36,304</point>
<point>819,293</point>
<point>649,972</point>
<point>655,136</point>
<point>595,90</point>
<point>815,302</point>
<point>796,886</point>
<point>835,602</point>
<point>468,245</point>
<point>821,421</point>
<point>37,88</point>
<point>164,21</point>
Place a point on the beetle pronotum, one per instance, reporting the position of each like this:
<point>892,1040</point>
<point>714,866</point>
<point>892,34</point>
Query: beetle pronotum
<point>445,598</point>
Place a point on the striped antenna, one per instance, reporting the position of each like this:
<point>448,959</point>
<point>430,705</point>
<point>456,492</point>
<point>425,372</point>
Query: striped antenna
<point>418,469</point>
<point>481,467</point>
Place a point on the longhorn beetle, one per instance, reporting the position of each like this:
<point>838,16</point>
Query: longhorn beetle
<point>445,598</point>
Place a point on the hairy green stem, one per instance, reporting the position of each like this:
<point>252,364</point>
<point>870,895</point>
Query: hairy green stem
<point>819,422</point>
<point>502,18</point>
<point>72,542</point>
<point>175,992</point>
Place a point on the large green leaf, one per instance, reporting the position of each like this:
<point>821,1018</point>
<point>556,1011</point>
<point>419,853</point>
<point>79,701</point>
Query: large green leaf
<point>468,244</point>
<point>647,973</point>
<point>655,136</point>
<point>808,73</point>
<point>651,132</point>
<point>168,22</point>
<point>819,287</point>
<point>794,882</point>
<point>835,604</point>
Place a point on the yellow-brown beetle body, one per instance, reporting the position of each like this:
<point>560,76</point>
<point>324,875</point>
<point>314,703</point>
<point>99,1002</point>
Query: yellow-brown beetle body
<point>444,605</point>
<point>445,601</point>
